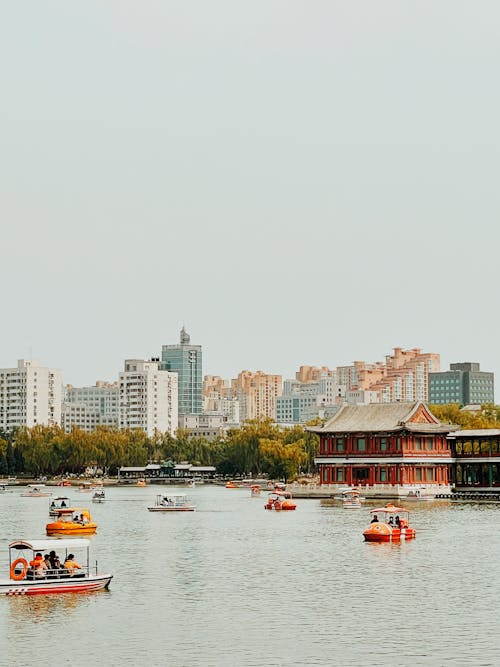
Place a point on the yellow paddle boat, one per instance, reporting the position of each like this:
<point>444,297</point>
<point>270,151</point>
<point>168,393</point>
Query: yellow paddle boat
<point>72,521</point>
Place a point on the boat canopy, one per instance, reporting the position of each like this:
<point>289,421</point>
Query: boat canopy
<point>390,509</point>
<point>72,510</point>
<point>173,495</point>
<point>48,545</point>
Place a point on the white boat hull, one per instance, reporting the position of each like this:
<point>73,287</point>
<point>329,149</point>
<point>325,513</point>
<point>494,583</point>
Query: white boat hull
<point>50,586</point>
<point>187,508</point>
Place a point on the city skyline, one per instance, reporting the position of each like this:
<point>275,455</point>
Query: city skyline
<point>291,376</point>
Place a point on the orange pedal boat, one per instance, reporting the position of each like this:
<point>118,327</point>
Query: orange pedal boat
<point>280,501</point>
<point>72,521</point>
<point>389,524</point>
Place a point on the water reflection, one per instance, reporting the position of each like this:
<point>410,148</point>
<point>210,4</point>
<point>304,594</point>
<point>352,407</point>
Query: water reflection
<point>46,608</point>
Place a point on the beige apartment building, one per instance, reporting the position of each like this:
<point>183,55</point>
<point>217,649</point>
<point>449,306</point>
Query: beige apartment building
<point>404,376</point>
<point>257,393</point>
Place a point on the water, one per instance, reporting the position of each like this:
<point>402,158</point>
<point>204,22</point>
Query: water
<point>233,584</point>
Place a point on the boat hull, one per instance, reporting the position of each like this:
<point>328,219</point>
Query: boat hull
<point>381,532</point>
<point>60,530</point>
<point>280,508</point>
<point>49,586</point>
<point>189,508</point>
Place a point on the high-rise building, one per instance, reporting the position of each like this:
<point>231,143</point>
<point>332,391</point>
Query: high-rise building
<point>403,377</point>
<point>464,383</point>
<point>148,397</point>
<point>186,360</point>
<point>219,398</point>
<point>257,393</point>
<point>29,395</point>
<point>89,407</point>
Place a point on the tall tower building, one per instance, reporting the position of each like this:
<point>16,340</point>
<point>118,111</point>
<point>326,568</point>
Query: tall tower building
<point>186,360</point>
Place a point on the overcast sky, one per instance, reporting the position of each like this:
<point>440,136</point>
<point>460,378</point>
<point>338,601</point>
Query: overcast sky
<point>296,181</point>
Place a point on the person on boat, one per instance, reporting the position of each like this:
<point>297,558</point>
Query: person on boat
<point>55,563</point>
<point>71,565</point>
<point>63,504</point>
<point>83,519</point>
<point>398,522</point>
<point>391,521</point>
<point>38,565</point>
<point>375,519</point>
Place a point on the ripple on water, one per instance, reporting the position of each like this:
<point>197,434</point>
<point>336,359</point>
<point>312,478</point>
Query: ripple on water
<point>233,584</point>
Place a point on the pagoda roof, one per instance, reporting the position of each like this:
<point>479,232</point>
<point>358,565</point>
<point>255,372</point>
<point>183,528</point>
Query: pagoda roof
<point>384,417</point>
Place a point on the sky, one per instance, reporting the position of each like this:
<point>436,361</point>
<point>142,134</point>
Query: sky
<point>295,181</point>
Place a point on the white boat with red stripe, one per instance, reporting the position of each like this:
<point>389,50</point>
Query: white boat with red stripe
<point>26,578</point>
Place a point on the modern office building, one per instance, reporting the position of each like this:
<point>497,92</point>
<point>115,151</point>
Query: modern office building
<point>88,407</point>
<point>464,384</point>
<point>186,360</point>
<point>148,397</point>
<point>29,395</point>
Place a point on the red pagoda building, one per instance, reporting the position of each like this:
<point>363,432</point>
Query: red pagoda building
<point>391,449</point>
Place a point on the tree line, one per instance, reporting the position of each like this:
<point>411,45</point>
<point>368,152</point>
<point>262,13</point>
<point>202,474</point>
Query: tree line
<point>258,447</point>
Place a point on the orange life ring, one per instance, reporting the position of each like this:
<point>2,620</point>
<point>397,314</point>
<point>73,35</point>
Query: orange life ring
<point>13,567</point>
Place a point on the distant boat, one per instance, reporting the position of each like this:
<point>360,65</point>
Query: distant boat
<point>172,502</point>
<point>58,503</point>
<point>36,491</point>
<point>99,496</point>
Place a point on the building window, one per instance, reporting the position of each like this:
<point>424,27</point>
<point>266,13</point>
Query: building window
<point>340,475</point>
<point>383,475</point>
<point>340,444</point>
<point>418,443</point>
<point>361,444</point>
<point>418,474</point>
<point>383,444</point>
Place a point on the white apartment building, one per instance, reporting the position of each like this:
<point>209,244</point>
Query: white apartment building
<point>149,397</point>
<point>30,395</point>
<point>88,407</point>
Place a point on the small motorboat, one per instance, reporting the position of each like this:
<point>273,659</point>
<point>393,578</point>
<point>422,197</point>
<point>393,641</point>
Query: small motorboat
<point>99,496</point>
<point>36,491</point>
<point>255,490</point>
<point>232,485</point>
<point>25,579</point>
<point>85,487</point>
<point>350,498</point>
<point>172,502</point>
<point>72,521</point>
<point>419,494</point>
<point>280,501</point>
<point>389,524</point>
<point>141,482</point>
<point>58,503</point>
<point>64,482</point>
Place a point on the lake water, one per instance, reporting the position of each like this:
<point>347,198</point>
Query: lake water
<point>233,584</point>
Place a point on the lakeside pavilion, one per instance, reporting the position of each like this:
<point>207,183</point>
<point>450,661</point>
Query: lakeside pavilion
<point>389,449</point>
<point>476,455</point>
